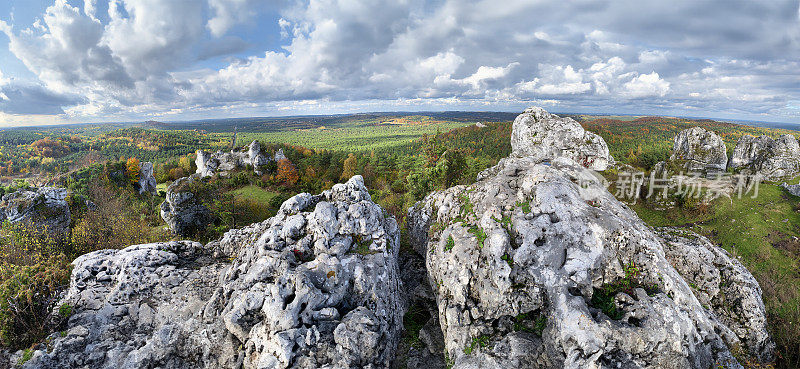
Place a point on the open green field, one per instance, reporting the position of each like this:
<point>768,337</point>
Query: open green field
<point>254,193</point>
<point>360,136</point>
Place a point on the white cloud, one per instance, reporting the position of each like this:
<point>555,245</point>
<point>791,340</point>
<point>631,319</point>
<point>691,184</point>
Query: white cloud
<point>645,85</point>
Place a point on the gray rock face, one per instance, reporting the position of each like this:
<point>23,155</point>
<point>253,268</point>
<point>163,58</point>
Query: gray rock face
<point>793,189</point>
<point>528,247</point>
<point>147,182</point>
<point>316,286</point>
<point>702,150</point>
<point>543,136</point>
<point>224,162</point>
<point>43,207</point>
<point>183,212</point>
<point>722,283</point>
<point>773,159</point>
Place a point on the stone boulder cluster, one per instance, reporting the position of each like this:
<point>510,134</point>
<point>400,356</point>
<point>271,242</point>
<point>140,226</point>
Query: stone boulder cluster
<point>701,151</point>
<point>536,265</point>
<point>45,208</point>
<point>773,159</point>
<point>315,286</point>
<point>222,163</point>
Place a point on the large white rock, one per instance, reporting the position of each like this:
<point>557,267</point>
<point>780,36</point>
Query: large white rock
<point>528,244</point>
<point>147,182</point>
<point>701,150</point>
<point>45,208</point>
<point>773,159</point>
<point>316,286</point>
<point>543,136</point>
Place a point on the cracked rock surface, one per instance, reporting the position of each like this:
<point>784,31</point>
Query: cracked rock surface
<point>316,286</point>
<point>702,150</point>
<point>542,136</point>
<point>773,159</point>
<point>538,265</point>
<point>222,163</point>
<point>44,207</point>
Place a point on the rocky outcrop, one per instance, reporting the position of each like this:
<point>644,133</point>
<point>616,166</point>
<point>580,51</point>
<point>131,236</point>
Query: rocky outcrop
<point>700,150</point>
<point>46,208</point>
<point>773,159</point>
<point>542,136</point>
<point>793,189</point>
<point>182,210</point>
<point>147,182</point>
<point>224,162</point>
<point>539,265</point>
<point>723,284</point>
<point>316,286</point>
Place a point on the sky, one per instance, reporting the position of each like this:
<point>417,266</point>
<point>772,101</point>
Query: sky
<point>71,61</point>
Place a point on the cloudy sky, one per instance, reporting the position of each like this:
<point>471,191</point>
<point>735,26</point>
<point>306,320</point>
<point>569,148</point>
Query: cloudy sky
<point>133,60</point>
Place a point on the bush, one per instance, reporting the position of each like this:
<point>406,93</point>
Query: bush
<point>28,294</point>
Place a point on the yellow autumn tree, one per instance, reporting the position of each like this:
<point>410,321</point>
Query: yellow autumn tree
<point>132,169</point>
<point>350,167</point>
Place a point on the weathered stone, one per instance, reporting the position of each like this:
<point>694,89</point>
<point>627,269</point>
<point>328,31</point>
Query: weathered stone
<point>147,182</point>
<point>723,284</point>
<point>46,208</point>
<point>543,136</point>
<point>182,210</point>
<point>772,159</point>
<point>793,189</point>
<point>700,150</point>
<point>315,286</point>
<point>224,162</point>
<point>538,265</point>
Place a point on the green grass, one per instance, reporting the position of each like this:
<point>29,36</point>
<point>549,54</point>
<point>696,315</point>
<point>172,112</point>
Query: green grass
<point>255,193</point>
<point>480,341</point>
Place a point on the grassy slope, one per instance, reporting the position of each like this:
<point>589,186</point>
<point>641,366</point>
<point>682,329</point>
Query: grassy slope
<point>254,193</point>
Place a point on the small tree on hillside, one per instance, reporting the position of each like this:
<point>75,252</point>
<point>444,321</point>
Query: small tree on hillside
<point>132,169</point>
<point>350,167</point>
<point>287,173</point>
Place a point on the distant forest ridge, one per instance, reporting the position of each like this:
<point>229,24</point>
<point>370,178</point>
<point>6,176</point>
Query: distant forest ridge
<point>260,124</point>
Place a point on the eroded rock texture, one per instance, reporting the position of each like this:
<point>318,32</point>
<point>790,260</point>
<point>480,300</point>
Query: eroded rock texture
<point>316,286</point>
<point>542,136</point>
<point>773,159</point>
<point>147,182</point>
<point>538,265</point>
<point>222,163</point>
<point>700,150</point>
<point>184,213</point>
<point>45,208</point>
<point>793,189</point>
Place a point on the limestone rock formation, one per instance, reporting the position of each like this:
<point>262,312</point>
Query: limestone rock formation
<point>316,286</point>
<point>224,162</point>
<point>793,189</point>
<point>543,136</point>
<point>773,159</point>
<point>539,265</point>
<point>147,182</point>
<point>700,150</point>
<point>722,283</point>
<point>182,210</point>
<point>46,208</point>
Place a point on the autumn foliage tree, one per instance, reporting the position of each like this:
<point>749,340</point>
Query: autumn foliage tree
<point>350,167</point>
<point>132,169</point>
<point>287,173</point>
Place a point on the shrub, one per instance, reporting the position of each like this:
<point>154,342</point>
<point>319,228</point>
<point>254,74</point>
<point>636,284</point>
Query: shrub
<point>28,294</point>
